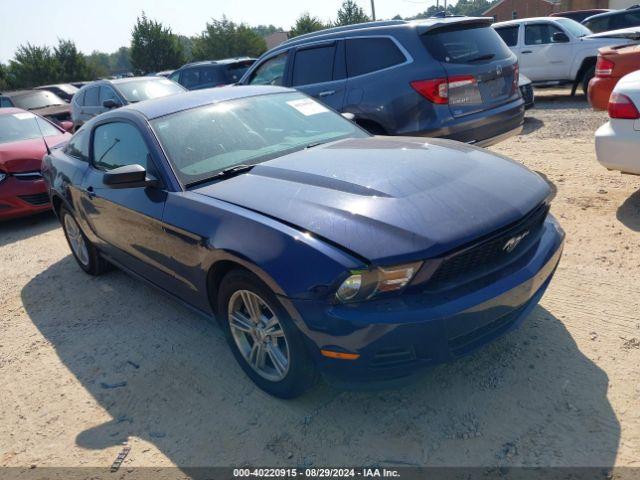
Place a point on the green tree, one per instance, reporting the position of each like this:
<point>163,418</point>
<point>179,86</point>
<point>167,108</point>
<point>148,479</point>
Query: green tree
<point>4,77</point>
<point>264,30</point>
<point>224,38</point>
<point>98,65</point>
<point>33,66</point>
<point>306,24</point>
<point>154,47</point>
<point>71,64</point>
<point>350,12</point>
<point>120,60</point>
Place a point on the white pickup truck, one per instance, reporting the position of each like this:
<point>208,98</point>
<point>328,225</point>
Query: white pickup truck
<point>556,50</point>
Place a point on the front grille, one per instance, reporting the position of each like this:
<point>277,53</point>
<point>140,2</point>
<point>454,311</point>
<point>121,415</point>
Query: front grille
<point>489,254</point>
<point>464,343</point>
<point>28,176</point>
<point>393,357</point>
<point>36,199</point>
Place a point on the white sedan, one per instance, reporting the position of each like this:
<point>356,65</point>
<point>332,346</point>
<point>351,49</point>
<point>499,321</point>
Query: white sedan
<point>618,140</point>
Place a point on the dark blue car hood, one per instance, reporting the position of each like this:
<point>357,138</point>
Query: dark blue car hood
<point>389,199</point>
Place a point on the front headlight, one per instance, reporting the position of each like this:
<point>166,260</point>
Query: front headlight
<point>2,176</point>
<point>364,284</point>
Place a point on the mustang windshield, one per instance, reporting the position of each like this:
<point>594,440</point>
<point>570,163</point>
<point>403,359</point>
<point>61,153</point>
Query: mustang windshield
<point>203,141</point>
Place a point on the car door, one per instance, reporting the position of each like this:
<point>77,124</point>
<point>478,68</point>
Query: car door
<point>541,58</point>
<point>126,220</point>
<point>319,71</point>
<point>90,103</point>
<point>108,93</point>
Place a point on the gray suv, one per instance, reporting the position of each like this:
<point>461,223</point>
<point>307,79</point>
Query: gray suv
<point>102,95</point>
<point>446,77</point>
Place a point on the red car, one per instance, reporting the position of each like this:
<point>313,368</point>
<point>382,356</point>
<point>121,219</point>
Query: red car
<point>22,146</point>
<point>613,64</point>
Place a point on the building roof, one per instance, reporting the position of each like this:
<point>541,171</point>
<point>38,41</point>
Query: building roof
<point>159,107</point>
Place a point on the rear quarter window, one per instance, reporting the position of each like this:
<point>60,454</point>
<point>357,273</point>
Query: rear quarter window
<point>509,35</point>
<point>465,44</point>
<point>366,55</point>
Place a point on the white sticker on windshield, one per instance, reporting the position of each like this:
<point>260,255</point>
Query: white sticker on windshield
<point>23,116</point>
<point>307,106</point>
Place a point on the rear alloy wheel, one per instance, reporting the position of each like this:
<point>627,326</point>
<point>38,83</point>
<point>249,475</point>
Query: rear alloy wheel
<point>83,250</point>
<point>265,341</point>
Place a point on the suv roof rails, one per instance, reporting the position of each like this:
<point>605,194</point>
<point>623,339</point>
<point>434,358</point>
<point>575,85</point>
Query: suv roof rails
<point>346,28</point>
<point>219,61</point>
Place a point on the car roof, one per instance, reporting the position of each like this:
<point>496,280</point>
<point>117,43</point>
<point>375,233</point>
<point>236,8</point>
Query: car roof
<point>223,61</point>
<point>611,13</point>
<point>11,110</point>
<point>52,85</point>
<point>159,107</point>
<point>519,21</point>
<point>423,25</point>
<point>16,93</point>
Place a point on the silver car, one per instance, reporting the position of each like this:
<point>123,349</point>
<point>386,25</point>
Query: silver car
<point>102,95</point>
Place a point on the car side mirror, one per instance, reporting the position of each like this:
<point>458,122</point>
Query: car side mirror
<point>110,103</point>
<point>349,116</point>
<point>129,176</point>
<point>560,37</point>
<point>67,126</point>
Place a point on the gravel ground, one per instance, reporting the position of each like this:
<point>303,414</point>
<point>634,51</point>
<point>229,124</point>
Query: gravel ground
<point>87,364</point>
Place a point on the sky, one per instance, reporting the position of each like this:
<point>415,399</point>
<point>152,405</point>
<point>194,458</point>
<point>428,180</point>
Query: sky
<point>106,25</point>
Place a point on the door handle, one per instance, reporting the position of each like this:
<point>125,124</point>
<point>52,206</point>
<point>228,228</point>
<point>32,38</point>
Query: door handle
<point>527,51</point>
<point>326,93</point>
<point>90,192</point>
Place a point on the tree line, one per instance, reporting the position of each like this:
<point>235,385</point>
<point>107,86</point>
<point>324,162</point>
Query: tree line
<point>155,47</point>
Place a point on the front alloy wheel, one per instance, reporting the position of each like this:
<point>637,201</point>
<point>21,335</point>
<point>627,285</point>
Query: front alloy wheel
<point>264,339</point>
<point>258,335</point>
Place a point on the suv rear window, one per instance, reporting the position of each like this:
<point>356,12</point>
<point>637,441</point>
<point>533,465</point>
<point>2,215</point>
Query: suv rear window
<point>465,44</point>
<point>365,55</point>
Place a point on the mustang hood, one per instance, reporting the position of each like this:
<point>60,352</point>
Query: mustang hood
<point>26,155</point>
<point>389,199</point>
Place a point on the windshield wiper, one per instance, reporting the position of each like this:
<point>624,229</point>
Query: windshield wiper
<point>488,56</point>
<point>226,173</point>
<point>315,144</point>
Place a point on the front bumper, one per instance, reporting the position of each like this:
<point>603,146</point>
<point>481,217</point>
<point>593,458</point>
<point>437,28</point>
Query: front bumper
<point>398,336</point>
<point>22,197</point>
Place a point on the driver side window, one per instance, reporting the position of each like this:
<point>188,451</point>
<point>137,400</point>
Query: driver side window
<point>117,144</point>
<point>270,72</point>
<point>540,34</point>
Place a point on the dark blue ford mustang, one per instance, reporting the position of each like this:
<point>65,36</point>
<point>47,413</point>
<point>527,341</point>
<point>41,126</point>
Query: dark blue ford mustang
<point>319,248</point>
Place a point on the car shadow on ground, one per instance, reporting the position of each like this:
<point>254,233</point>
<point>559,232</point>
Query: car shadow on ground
<point>531,124</point>
<point>12,231</point>
<point>166,375</point>
<point>629,212</point>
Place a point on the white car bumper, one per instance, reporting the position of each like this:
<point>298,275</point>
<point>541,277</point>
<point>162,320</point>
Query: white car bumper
<point>618,146</point>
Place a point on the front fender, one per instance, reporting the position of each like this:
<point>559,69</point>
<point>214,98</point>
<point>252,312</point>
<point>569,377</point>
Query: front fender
<point>293,263</point>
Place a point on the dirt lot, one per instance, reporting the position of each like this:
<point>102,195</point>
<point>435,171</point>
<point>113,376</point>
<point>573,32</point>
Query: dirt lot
<point>562,390</point>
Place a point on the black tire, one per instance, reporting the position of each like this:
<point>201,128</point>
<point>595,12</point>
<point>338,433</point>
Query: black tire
<point>586,78</point>
<point>94,264</point>
<point>301,374</point>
